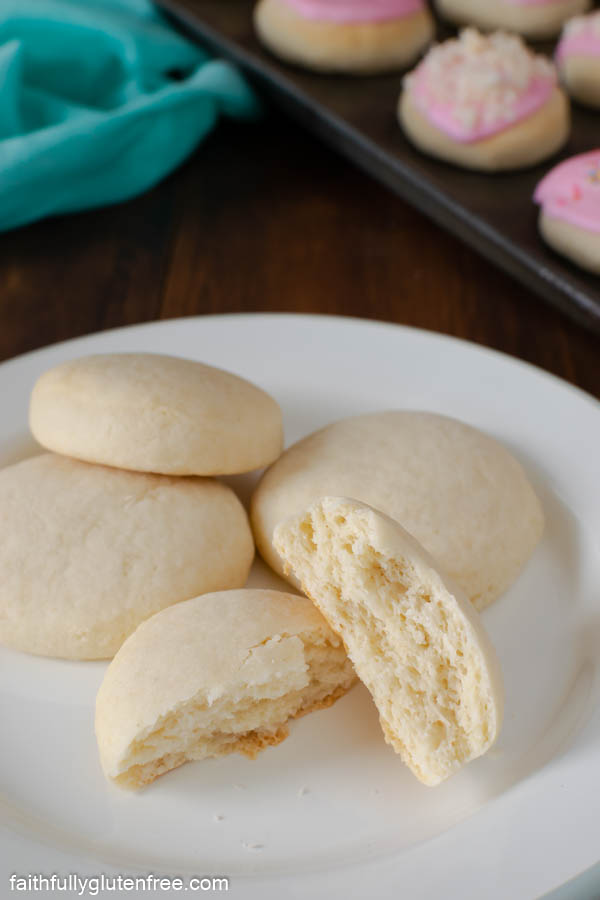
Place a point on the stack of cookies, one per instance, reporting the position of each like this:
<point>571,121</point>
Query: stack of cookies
<point>103,531</point>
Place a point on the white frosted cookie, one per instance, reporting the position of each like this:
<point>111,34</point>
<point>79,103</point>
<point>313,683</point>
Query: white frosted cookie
<point>153,413</point>
<point>457,491</point>
<point>535,19</point>
<point>415,640</point>
<point>486,103</point>
<point>352,36</point>
<point>569,200</point>
<point>578,58</point>
<point>218,674</point>
<point>88,552</point>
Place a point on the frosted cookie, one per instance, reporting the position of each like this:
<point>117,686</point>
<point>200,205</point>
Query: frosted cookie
<point>569,197</point>
<point>485,102</point>
<point>457,491</point>
<point>219,674</point>
<point>535,19</point>
<point>87,552</point>
<point>352,36</point>
<point>415,641</point>
<point>578,58</point>
<point>153,413</point>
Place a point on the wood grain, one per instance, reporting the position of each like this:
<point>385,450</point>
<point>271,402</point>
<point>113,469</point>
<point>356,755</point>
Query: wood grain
<point>263,218</point>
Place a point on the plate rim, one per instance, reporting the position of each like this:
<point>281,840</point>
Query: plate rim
<point>285,315</point>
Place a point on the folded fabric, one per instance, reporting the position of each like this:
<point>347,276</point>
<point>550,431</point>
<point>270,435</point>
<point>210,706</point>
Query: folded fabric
<point>100,99</point>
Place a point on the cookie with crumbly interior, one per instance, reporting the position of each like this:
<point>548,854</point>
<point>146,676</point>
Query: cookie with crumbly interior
<point>218,674</point>
<point>458,491</point>
<point>415,640</point>
<point>153,413</point>
<point>88,552</point>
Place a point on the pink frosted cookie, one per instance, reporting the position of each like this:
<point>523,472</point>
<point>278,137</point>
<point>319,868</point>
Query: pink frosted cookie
<point>531,18</point>
<point>352,36</point>
<point>569,197</point>
<point>578,58</point>
<point>485,102</point>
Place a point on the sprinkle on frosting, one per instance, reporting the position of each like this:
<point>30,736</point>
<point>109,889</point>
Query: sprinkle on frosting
<point>571,191</point>
<point>580,37</point>
<point>348,11</point>
<point>474,86</point>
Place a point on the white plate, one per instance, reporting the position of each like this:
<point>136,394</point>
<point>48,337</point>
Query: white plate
<point>333,811</point>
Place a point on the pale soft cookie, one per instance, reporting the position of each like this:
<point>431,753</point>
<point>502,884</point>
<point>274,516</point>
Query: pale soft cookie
<point>569,200</point>
<point>416,642</point>
<point>219,674</point>
<point>352,36</point>
<point>457,491</point>
<point>88,552</point>
<point>153,413</point>
<point>485,103</point>
<point>535,19</point>
<point>578,58</point>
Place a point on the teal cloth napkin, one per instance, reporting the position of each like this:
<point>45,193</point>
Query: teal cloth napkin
<point>99,100</point>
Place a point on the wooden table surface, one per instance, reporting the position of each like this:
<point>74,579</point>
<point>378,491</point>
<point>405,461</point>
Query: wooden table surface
<point>264,218</point>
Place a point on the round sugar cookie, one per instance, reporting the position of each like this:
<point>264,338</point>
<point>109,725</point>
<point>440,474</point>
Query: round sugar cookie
<point>88,552</point>
<point>217,674</point>
<point>456,490</point>
<point>153,413</point>
<point>578,58</point>
<point>352,36</point>
<point>537,19</point>
<point>485,103</point>
<point>569,200</point>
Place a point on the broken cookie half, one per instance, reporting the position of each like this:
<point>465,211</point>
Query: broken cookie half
<point>414,638</point>
<point>218,674</point>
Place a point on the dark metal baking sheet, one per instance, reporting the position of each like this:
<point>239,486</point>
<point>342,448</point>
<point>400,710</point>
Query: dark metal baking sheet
<point>356,116</point>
